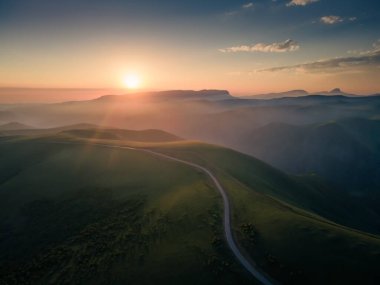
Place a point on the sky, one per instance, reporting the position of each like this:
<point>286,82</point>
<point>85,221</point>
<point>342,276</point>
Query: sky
<point>246,47</point>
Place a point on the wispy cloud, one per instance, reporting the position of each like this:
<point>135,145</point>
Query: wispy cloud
<point>286,46</point>
<point>331,20</point>
<point>300,2</point>
<point>248,5</point>
<point>367,59</point>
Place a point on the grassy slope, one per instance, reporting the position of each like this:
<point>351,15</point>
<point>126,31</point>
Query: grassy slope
<point>271,218</point>
<point>306,192</point>
<point>91,215</point>
<point>293,245</point>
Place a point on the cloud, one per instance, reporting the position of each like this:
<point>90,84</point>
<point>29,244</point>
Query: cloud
<point>248,5</point>
<point>365,60</point>
<point>286,46</point>
<point>331,20</point>
<point>300,2</point>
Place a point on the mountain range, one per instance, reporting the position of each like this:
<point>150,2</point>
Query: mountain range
<point>299,93</point>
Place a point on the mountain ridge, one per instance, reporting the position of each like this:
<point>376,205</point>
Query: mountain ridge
<point>301,93</point>
<point>206,94</point>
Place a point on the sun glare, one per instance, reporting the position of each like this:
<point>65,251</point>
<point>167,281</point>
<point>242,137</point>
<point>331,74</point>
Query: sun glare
<point>131,81</point>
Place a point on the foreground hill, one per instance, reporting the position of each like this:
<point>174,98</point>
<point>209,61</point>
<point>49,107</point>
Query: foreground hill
<point>278,224</point>
<point>73,214</point>
<point>81,213</point>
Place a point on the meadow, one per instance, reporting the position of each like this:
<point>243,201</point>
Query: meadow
<point>79,212</point>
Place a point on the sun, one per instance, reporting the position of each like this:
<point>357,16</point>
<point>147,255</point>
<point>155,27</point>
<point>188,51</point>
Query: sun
<point>131,81</point>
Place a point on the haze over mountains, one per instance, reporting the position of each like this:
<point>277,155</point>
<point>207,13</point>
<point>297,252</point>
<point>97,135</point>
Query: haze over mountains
<point>299,93</point>
<point>333,135</point>
<point>310,189</point>
<point>56,95</point>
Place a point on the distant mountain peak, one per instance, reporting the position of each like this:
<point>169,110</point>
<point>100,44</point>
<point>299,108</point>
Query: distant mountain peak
<point>299,91</point>
<point>291,93</point>
<point>336,90</point>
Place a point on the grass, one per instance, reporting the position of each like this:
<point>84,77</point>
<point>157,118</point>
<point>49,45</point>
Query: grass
<point>74,214</point>
<point>110,216</point>
<point>273,221</point>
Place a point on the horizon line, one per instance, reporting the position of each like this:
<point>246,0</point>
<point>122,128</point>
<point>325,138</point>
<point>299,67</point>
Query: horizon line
<point>138,90</point>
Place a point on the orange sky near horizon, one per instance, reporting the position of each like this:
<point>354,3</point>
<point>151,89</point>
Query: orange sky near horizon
<point>175,71</point>
<point>247,49</point>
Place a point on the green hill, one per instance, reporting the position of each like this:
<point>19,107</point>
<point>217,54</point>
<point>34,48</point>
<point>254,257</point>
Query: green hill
<point>81,214</point>
<point>276,221</point>
<point>86,214</point>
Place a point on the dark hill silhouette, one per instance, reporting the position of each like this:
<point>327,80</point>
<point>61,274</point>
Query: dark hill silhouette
<point>14,126</point>
<point>212,95</point>
<point>340,152</point>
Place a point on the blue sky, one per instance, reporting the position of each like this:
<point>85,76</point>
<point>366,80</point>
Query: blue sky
<point>226,41</point>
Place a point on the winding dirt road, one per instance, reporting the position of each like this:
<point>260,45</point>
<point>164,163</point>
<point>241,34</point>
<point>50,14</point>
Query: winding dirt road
<point>227,216</point>
<point>251,268</point>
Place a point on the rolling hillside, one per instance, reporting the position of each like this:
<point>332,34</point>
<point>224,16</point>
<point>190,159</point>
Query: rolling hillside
<point>75,212</point>
<point>275,219</point>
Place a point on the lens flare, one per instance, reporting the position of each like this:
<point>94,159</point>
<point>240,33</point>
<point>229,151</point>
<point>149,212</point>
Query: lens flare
<point>131,81</point>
